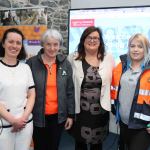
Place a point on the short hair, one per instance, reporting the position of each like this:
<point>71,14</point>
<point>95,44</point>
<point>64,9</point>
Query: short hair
<point>81,50</point>
<point>51,33</point>
<point>144,41</point>
<point>22,55</point>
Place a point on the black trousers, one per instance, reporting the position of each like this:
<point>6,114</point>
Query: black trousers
<point>133,139</point>
<point>83,146</point>
<point>48,138</point>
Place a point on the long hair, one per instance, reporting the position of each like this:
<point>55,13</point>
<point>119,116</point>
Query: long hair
<point>145,44</point>
<point>22,54</point>
<point>81,49</point>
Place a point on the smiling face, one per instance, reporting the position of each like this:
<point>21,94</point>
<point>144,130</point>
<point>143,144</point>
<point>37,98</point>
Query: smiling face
<point>136,50</point>
<point>92,43</point>
<point>51,47</point>
<point>12,45</point>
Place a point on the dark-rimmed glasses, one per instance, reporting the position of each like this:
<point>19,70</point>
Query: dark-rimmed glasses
<point>94,39</point>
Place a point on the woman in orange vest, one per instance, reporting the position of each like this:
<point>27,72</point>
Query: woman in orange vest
<point>130,94</point>
<point>54,103</point>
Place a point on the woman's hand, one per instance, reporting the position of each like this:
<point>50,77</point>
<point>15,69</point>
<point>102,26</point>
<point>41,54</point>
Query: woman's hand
<point>19,124</point>
<point>69,123</point>
<point>148,130</point>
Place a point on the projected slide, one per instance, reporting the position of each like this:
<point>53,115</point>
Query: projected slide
<point>117,25</point>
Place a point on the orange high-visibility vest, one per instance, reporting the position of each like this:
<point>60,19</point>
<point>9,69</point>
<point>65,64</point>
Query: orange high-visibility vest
<point>144,88</point>
<point>115,81</point>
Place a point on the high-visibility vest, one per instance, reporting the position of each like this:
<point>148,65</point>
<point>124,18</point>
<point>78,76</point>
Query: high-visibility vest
<point>115,81</point>
<point>144,87</point>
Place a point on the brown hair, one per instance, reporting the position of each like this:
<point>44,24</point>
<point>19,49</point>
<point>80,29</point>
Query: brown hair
<point>81,49</point>
<point>22,54</point>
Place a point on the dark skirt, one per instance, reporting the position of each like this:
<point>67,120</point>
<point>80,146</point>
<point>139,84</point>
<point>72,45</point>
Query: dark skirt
<point>90,129</point>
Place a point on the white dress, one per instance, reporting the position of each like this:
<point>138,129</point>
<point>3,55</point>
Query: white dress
<point>14,84</point>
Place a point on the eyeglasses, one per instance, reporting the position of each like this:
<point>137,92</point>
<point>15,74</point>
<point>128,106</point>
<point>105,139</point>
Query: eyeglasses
<point>94,39</point>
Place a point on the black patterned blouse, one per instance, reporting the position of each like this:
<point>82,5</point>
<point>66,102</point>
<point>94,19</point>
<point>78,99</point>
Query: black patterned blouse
<point>91,124</point>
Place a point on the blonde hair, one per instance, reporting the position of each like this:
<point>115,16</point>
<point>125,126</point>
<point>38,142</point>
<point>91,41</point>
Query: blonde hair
<point>144,41</point>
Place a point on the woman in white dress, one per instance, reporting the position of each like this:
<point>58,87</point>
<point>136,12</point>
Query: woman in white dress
<point>17,93</point>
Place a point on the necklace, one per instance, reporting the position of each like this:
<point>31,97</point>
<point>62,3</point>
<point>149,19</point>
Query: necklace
<point>49,63</point>
<point>50,69</point>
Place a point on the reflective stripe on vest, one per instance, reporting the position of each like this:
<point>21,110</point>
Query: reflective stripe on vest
<point>112,101</point>
<point>144,89</point>
<point>141,116</point>
<point>114,91</point>
<point>115,81</point>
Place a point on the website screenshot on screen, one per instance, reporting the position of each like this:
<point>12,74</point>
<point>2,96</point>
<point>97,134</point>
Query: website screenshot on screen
<point>117,24</point>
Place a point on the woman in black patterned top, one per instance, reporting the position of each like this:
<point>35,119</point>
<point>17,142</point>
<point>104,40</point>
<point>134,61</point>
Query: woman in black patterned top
<point>92,71</point>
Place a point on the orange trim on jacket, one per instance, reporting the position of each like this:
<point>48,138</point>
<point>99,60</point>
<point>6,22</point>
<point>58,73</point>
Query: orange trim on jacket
<point>140,109</point>
<point>144,90</point>
<point>115,81</point>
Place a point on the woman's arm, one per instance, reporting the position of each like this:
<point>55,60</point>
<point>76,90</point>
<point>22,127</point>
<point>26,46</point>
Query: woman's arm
<point>17,123</point>
<point>6,115</point>
<point>70,93</point>
<point>30,103</point>
<point>21,122</point>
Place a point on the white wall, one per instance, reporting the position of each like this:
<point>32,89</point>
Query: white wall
<point>107,3</point>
